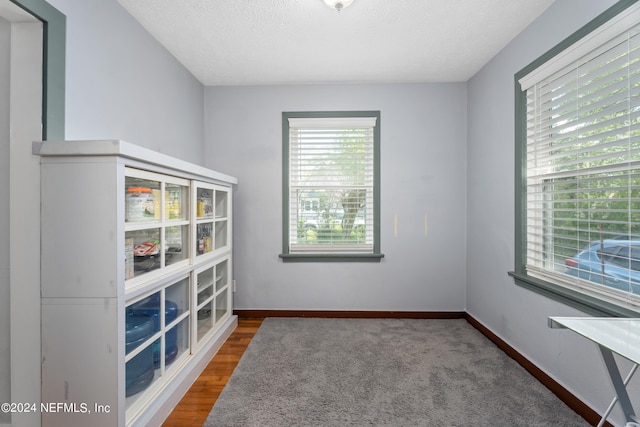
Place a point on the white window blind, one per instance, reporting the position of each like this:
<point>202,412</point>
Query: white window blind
<point>331,184</point>
<point>583,166</point>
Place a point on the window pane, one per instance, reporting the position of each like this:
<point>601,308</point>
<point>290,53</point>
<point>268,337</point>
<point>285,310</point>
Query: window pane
<point>583,174</point>
<point>331,185</point>
<point>332,217</point>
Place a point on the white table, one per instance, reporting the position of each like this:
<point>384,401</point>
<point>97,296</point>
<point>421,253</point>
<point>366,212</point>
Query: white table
<point>612,335</point>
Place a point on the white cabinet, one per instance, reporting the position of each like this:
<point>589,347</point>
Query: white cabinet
<point>136,279</point>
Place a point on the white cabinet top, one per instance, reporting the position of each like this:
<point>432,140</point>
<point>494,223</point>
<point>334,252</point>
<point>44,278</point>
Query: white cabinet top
<point>127,151</point>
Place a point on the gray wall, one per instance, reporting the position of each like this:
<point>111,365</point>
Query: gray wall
<point>433,163</point>
<point>515,314</point>
<point>423,136</point>
<point>5,48</point>
<point>121,83</point>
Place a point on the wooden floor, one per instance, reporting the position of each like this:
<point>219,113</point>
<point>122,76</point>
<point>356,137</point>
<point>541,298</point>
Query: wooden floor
<point>196,404</point>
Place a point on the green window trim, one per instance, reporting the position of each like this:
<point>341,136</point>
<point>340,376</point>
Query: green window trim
<point>286,255</point>
<point>320,257</point>
<point>53,64</point>
<point>581,301</point>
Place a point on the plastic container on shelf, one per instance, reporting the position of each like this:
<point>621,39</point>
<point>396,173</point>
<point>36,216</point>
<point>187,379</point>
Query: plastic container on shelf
<point>151,307</point>
<point>139,370</point>
<point>140,204</point>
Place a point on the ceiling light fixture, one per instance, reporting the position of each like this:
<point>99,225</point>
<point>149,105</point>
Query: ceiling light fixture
<point>338,4</point>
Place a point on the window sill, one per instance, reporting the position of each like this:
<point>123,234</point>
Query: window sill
<point>329,257</point>
<point>579,300</point>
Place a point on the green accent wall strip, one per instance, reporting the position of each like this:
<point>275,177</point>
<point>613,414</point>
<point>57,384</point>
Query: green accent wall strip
<point>583,302</point>
<point>520,174</point>
<point>376,186</point>
<point>588,28</point>
<point>285,182</point>
<point>53,63</point>
<point>328,257</point>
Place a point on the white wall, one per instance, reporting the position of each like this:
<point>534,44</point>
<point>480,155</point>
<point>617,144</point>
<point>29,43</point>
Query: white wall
<point>515,314</point>
<point>5,48</point>
<point>121,83</point>
<point>423,173</point>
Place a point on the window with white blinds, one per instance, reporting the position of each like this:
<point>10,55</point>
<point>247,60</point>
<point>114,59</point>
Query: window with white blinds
<point>330,183</point>
<point>582,162</point>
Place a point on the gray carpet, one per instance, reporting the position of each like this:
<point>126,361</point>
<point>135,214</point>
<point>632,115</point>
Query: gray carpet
<point>381,372</point>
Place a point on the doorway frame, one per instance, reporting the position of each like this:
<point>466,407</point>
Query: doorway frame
<point>54,34</point>
<point>38,113</point>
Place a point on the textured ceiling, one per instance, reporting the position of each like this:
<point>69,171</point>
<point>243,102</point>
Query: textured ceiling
<point>248,42</point>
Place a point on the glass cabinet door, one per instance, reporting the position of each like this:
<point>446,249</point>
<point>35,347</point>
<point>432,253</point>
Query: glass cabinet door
<point>223,285</point>
<point>211,296</point>
<point>156,223</point>
<point>212,206</point>
<point>222,305</point>
<point>222,218</point>
<point>174,228</point>
<point>204,219</point>
<point>204,300</point>
<point>157,335</point>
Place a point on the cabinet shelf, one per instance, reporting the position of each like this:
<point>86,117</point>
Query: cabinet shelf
<point>204,287</point>
<point>147,306</point>
<point>135,226</point>
<point>209,302</point>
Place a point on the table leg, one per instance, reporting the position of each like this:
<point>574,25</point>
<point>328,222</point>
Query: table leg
<point>618,383</point>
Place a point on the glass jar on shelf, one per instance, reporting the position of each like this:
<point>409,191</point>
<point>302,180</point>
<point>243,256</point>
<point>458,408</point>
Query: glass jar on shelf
<point>204,238</point>
<point>175,201</point>
<point>204,203</point>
